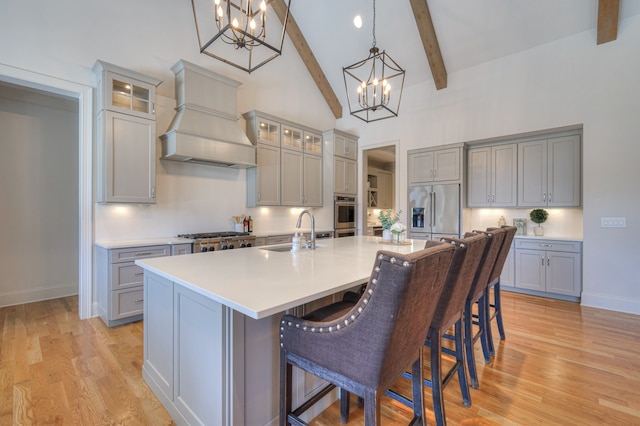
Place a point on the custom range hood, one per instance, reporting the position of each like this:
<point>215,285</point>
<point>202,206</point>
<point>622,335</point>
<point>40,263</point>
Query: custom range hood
<point>205,128</point>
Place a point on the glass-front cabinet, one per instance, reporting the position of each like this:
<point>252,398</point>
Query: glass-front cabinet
<point>313,143</point>
<point>130,95</point>
<point>268,132</point>
<point>291,138</point>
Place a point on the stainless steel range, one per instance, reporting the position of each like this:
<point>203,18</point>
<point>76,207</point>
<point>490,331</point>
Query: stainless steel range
<point>227,240</point>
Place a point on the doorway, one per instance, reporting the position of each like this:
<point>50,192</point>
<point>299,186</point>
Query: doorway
<point>379,184</point>
<point>83,95</point>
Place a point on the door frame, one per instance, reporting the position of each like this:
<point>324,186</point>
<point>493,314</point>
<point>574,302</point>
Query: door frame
<point>84,95</point>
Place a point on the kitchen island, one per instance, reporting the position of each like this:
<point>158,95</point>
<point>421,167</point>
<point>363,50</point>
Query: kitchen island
<point>211,320</point>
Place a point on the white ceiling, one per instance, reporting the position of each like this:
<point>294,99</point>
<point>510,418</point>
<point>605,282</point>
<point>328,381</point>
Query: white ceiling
<point>469,32</point>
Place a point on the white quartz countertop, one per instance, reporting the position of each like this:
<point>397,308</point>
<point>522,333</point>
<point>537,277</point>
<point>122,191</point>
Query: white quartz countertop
<point>142,242</point>
<point>259,283</point>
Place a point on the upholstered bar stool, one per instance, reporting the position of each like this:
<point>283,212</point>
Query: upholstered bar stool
<point>365,349</point>
<point>449,313</point>
<point>476,293</point>
<point>494,310</point>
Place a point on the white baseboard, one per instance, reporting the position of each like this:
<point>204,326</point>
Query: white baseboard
<point>37,294</point>
<point>612,303</point>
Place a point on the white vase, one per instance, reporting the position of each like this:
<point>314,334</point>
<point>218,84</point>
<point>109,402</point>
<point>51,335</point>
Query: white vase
<point>387,235</point>
<point>538,231</point>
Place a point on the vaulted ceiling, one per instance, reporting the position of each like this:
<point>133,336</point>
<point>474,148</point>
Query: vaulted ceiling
<point>433,38</point>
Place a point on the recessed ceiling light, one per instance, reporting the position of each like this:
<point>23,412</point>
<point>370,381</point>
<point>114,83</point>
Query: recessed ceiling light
<point>357,21</point>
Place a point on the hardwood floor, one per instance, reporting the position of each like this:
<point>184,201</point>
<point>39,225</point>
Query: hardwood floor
<point>562,364</point>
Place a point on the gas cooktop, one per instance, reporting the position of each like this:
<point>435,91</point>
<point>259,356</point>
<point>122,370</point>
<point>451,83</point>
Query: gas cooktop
<point>222,234</point>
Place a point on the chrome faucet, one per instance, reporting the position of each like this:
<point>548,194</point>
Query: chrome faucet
<point>311,244</point>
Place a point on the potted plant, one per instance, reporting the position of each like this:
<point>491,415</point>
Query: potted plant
<point>538,216</point>
<point>386,220</point>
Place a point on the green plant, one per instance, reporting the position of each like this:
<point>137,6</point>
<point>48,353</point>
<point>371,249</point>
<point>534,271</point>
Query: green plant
<point>538,215</point>
<point>387,219</point>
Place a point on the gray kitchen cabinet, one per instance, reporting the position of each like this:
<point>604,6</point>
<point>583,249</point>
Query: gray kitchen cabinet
<point>549,172</point>
<point>344,148</point>
<point>435,165</point>
<point>126,135</point>
<point>508,276</point>
<point>550,266</point>
<point>492,176</point>
<point>345,176</point>
<point>286,172</point>
<point>120,281</point>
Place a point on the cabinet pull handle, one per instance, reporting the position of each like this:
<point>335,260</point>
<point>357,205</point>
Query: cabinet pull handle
<point>139,300</point>
<point>548,260</point>
<point>139,273</point>
<point>258,196</point>
<point>549,197</point>
<point>435,172</point>
<point>545,245</point>
<point>143,253</point>
<point>493,198</point>
<point>544,196</point>
<point>542,260</point>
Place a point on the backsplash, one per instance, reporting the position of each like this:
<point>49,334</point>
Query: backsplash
<point>566,223</point>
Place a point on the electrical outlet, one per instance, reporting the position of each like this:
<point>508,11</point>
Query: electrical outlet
<point>614,222</point>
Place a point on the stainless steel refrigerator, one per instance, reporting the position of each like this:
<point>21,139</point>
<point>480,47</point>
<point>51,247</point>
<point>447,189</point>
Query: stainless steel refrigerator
<point>434,211</point>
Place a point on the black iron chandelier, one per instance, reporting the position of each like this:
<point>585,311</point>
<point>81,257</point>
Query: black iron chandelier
<point>235,31</point>
<point>374,85</point>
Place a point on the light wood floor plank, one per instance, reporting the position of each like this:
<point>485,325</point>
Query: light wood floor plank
<point>562,364</point>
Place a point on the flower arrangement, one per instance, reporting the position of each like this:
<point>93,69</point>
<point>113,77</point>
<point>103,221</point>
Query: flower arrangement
<point>388,218</point>
<point>398,229</point>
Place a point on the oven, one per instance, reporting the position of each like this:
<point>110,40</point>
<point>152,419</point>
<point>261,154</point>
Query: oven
<point>344,215</point>
<point>213,241</point>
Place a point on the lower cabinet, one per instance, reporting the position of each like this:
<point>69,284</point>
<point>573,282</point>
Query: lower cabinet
<point>550,266</point>
<point>119,280</point>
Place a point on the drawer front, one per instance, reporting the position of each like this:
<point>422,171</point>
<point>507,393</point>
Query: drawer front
<point>125,275</point>
<point>134,253</point>
<point>127,302</point>
<point>555,245</point>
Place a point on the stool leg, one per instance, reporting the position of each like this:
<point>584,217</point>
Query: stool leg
<point>468,343</point>
<point>418,392</point>
<point>436,375</point>
<point>462,370</point>
<point>498,308</point>
<point>285,389</point>
<point>482,322</point>
<point>488,331</point>
<point>371,407</point>
<point>344,406</point>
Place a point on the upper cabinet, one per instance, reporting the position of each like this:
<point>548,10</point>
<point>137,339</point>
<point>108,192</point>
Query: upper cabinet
<point>289,163</point>
<point>126,130</point>
<point>435,165</point>
<point>345,164</point>
<point>549,172</point>
<point>492,176</point>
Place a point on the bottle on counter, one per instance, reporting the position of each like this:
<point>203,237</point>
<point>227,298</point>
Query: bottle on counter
<point>295,242</point>
<point>245,225</point>
<point>250,224</point>
<point>502,221</point>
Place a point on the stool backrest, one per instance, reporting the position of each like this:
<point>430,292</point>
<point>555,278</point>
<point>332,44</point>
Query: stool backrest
<point>464,265</point>
<point>504,251</point>
<point>491,250</point>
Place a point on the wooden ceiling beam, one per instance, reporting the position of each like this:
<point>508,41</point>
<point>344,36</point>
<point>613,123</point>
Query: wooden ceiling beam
<point>301,45</point>
<point>430,42</point>
<point>608,12</point>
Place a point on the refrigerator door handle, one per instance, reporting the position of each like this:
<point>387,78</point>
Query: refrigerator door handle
<point>433,209</point>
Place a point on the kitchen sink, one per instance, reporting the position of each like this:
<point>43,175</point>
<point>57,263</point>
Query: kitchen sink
<point>287,247</point>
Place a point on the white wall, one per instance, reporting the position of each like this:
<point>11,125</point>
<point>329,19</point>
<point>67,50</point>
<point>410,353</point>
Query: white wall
<point>569,82</point>
<point>572,81</point>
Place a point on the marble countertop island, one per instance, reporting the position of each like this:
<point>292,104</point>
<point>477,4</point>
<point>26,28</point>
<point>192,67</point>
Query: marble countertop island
<point>259,282</point>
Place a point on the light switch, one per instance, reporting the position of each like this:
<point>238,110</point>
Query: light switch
<point>614,222</point>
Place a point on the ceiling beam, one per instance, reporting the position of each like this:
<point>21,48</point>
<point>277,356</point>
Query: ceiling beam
<point>301,45</point>
<point>430,42</point>
<point>608,12</point>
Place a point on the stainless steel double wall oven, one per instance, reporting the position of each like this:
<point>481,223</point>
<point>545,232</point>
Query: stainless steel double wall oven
<point>345,216</point>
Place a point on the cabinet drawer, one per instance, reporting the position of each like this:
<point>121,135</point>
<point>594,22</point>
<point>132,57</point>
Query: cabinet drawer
<point>133,253</point>
<point>555,245</point>
<point>127,302</point>
<point>125,275</point>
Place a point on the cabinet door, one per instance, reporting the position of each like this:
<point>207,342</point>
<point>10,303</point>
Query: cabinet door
<point>268,132</point>
<point>312,191</point>
<point>508,276</point>
<point>312,143</point>
<point>446,164</point>
<point>530,269</point>
<point>127,167</point>
<point>291,138</point>
<point>563,273</point>
<point>351,177</point>
<point>421,167</point>
<point>345,147</point>
<point>129,96</point>
<point>532,174</point>
<point>504,161</point>
<point>564,182</point>
<point>291,177</point>
<point>479,177</point>
<point>267,175</point>
<point>385,190</point>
